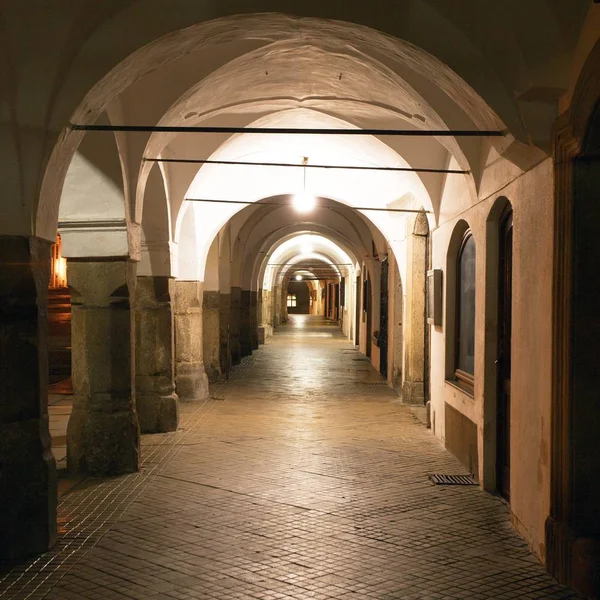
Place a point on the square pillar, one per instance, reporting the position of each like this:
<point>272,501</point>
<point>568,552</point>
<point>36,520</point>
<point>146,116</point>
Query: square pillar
<point>245,327</point>
<point>156,400</point>
<point>413,386</point>
<point>254,309</point>
<point>27,468</point>
<point>211,335</point>
<point>235,348</point>
<point>190,378</point>
<point>103,435</point>
<point>224,324</point>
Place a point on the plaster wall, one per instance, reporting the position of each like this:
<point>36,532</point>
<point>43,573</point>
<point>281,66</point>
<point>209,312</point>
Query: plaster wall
<point>531,196</point>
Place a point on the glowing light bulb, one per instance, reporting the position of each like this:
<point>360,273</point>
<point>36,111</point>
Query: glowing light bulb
<point>298,277</point>
<point>304,202</point>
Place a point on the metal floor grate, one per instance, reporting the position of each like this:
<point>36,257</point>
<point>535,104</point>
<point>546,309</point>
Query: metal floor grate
<point>370,382</point>
<point>453,479</point>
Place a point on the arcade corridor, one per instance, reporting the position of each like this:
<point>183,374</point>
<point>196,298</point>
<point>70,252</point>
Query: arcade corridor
<point>301,477</point>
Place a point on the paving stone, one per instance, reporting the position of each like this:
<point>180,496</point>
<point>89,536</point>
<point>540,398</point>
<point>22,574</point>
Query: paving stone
<point>290,482</point>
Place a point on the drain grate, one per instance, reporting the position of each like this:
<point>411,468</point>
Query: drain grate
<point>453,479</point>
<point>370,382</point>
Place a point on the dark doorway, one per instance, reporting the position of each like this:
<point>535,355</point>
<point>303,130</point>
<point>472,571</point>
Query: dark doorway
<point>383,319</point>
<point>298,298</point>
<point>337,301</point>
<point>504,354</point>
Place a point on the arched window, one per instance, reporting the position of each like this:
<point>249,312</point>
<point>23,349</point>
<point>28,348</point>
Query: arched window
<point>465,313</point>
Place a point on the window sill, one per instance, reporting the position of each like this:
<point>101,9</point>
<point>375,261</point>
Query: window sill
<point>466,390</point>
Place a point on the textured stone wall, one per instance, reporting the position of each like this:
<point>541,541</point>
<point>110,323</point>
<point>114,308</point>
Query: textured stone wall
<point>156,399</point>
<point>211,335</point>
<point>190,378</point>
<point>27,467</point>
<point>103,431</point>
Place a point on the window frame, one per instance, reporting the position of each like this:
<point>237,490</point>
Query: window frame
<point>293,299</point>
<point>463,379</point>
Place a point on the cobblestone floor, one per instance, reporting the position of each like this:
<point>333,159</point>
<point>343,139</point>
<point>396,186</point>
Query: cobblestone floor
<point>302,477</point>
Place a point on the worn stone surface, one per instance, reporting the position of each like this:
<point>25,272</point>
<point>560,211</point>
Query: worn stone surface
<point>254,308</point>
<point>190,377</point>
<point>413,386</point>
<point>27,467</point>
<point>103,432</point>
<point>245,323</point>
<point>224,326</point>
<point>156,400</point>
<point>210,335</point>
<point>305,479</point>
<point>235,348</point>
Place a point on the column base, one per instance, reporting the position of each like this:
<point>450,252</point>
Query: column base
<point>103,441</point>
<point>572,559</point>
<point>27,489</point>
<point>413,393</point>
<point>157,414</point>
<point>191,382</point>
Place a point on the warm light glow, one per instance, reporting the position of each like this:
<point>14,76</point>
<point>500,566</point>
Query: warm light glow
<point>58,267</point>
<point>306,249</point>
<point>298,277</point>
<point>304,202</point>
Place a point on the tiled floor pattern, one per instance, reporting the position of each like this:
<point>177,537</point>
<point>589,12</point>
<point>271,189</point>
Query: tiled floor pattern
<point>295,481</point>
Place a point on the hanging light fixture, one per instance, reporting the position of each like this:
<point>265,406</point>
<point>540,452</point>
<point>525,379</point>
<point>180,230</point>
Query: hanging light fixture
<point>298,277</point>
<point>304,202</point>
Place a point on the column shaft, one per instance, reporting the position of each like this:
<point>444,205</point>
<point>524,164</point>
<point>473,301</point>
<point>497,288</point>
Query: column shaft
<point>211,335</point>
<point>235,349</point>
<point>156,400</point>
<point>191,380</point>
<point>245,327</point>
<point>413,387</point>
<point>103,435</point>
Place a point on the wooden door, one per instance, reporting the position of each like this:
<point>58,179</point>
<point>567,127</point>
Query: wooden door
<point>504,355</point>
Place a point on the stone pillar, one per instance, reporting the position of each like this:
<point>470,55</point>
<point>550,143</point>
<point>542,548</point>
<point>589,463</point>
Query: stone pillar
<point>191,380</point>
<point>235,349</point>
<point>27,467</point>
<point>103,435</point>
<point>211,335</point>
<point>267,315</point>
<point>224,318</point>
<point>413,387</point>
<point>245,341</point>
<point>254,320</point>
<point>156,400</point>
<point>276,302</point>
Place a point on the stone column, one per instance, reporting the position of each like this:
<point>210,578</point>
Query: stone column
<point>234,326</point>
<point>27,467</point>
<point>103,435</point>
<point>156,400</point>
<point>224,319</point>
<point>254,320</point>
<point>191,380</point>
<point>413,387</point>
<point>245,341</point>
<point>211,335</point>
